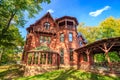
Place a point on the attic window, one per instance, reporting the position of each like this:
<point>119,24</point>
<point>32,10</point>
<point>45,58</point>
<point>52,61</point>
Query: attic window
<point>47,25</point>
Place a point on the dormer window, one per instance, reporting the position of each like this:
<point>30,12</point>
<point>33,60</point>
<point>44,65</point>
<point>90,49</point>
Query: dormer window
<point>47,25</point>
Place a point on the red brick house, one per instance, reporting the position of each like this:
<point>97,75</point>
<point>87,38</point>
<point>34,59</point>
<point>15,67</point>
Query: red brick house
<point>60,35</point>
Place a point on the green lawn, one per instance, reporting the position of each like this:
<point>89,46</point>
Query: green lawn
<point>70,74</point>
<point>14,73</point>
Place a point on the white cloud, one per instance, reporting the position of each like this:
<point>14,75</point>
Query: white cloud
<point>98,12</point>
<point>50,10</point>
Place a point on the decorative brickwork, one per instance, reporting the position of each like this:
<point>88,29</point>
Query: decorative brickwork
<point>57,34</point>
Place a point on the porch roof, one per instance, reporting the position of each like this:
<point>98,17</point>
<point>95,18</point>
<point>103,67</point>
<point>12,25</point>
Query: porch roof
<point>95,46</point>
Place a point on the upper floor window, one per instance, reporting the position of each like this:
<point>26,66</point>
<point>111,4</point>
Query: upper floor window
<point>45,39</point>
<point>47,25</point>
<point>70,23</point>
<point>70,37</point>
<point>62,23</point>
<point>61,37</point>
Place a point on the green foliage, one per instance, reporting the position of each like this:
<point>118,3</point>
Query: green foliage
<point>12,16</point>
<point>99,57</point>
<point>108,28</point>
<point>13,10</point>
<point>114,56</point>
<point>90,33</point>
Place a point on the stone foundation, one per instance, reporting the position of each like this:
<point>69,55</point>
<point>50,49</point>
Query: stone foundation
<point>34,70</point>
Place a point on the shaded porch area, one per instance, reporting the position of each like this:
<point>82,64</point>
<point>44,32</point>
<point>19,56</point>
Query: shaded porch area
<point>86,53</point>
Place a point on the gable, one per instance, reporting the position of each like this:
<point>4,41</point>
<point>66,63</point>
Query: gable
<point>47,18</point>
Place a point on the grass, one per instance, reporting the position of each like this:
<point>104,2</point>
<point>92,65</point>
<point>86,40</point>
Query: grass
<point>13,72</point>
<point>9,72</point>
<point>69,74</point>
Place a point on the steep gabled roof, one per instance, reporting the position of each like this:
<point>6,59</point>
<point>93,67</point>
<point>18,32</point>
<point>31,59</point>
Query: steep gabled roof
<point>46,15</point>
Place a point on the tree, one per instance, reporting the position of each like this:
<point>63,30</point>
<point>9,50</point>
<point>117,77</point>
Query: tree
<point>110,27</point>
<point>90,33</point>
<point>12,12</point>
<point>10,42</point>
<point>11,17</point>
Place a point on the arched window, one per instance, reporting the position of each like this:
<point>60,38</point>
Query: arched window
<point>47,25</point>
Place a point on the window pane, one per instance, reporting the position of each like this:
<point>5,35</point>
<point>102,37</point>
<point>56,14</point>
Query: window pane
<point>62,23</point>
<point>47,25</point>
<point>48,39</point>
<point>41,39</point>
<point>62,37</point>
<point>62,56</point>
<point>70,37</point>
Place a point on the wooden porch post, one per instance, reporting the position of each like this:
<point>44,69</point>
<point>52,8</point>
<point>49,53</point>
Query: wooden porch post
<point>58,60</point>
<point>42,57</point>
<point>27,58</point>
<point>88,55</point>
<point>32,58</point>
<point>53,56</point>
<point>38,58</point>
<point>46,58</point>
<point>35,58</point>
<point>106,50</point>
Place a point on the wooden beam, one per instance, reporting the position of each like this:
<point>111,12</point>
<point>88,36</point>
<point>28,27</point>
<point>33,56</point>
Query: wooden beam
<point>111,46</point>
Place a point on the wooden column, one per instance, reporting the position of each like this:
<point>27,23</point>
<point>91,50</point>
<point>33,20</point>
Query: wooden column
<point>53,59</point>
<point>38,58</point>
<point>88,55</point>
<point>27,58</point>
<point>35,58</point>
<point>42,57</point>
<point>58,61</point>
<point>32,58</point>
<point>46,58</point>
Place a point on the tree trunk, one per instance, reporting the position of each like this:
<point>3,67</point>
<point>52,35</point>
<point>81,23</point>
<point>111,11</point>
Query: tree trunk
<point>8,24</point>
<point>1,53</point>
<point>109,62</point>
<point>0,58</point>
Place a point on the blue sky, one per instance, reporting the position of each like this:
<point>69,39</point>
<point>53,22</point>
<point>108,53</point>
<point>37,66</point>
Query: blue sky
<point>91,12</point>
